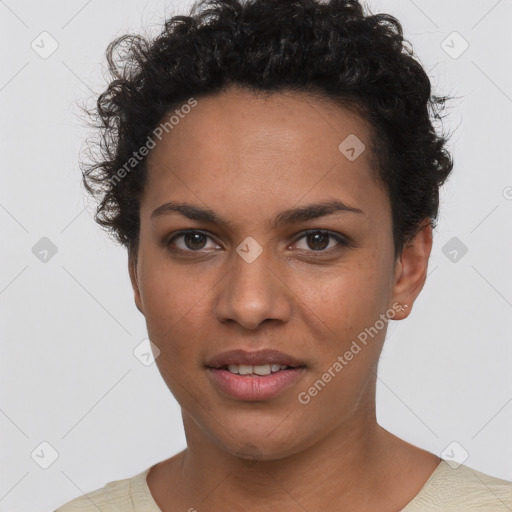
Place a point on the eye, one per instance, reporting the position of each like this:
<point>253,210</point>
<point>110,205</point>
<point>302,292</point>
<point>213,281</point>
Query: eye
<point>193,241</point>
<point>318,241</point>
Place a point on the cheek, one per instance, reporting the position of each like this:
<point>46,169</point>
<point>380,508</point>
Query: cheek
<point>345,298</point>
<point>175,304</point>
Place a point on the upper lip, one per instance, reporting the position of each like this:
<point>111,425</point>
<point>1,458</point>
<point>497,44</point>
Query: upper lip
<point>260,357</point>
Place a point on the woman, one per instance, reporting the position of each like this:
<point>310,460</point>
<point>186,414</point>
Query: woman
<point>273,171</point>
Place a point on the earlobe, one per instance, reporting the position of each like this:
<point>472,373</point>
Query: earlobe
<point>411,269</point>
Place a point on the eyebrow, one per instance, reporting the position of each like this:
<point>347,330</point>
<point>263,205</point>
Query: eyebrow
<point>294,215</point>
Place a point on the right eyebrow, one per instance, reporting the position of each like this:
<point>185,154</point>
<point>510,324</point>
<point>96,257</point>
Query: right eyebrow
<point>191,212</point>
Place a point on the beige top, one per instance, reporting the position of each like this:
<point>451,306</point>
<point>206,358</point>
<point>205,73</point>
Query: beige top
<point>451,490</point>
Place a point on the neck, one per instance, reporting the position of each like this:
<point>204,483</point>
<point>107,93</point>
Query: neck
<point>344,467</point>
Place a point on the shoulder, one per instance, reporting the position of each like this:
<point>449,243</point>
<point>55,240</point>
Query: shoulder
<point>127,495</point>
<point>462,488</point>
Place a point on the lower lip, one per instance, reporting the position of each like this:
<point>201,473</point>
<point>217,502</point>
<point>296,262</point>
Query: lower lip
<point>255,387</point>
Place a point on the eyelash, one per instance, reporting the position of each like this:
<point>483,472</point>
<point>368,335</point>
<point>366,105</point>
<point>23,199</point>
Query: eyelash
<point>342,242</point>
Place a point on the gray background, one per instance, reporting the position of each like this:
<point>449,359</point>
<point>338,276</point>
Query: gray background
<point>69,325</point>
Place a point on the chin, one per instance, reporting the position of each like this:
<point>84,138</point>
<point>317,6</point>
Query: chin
<point>259,445</point>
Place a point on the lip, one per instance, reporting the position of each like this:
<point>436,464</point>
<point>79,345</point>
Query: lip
<point>265,356</point>
<point>254,388</point>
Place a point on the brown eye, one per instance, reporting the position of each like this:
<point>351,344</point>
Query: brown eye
<point>192,241</point>
<point>318,241</point>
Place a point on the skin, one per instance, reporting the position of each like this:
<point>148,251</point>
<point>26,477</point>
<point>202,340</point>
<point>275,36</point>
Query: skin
<point>308,297</point>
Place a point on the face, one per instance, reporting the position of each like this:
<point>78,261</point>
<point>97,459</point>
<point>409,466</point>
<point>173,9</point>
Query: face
<point>313,285</point>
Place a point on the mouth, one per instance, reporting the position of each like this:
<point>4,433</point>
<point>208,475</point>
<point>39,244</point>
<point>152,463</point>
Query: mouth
<point>254,376</point>
<point>261,362</point>
<point>260,369</point>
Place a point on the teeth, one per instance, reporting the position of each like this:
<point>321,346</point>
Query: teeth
<point>244,369</point>
<point>261,369</point>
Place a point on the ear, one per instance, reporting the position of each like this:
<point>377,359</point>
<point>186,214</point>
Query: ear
<point>134,278</point>
<point>411,269</point>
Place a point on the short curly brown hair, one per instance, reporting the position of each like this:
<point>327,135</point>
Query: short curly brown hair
<point>336,49</point>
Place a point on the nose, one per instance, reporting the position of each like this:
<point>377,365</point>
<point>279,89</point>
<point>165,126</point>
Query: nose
<point>252,293</point>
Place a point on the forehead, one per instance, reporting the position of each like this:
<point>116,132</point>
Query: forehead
<point>264,148</point>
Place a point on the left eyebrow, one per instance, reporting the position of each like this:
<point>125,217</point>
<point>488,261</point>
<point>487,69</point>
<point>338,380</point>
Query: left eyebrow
<point>312,211</point>
<point>291,216</point>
